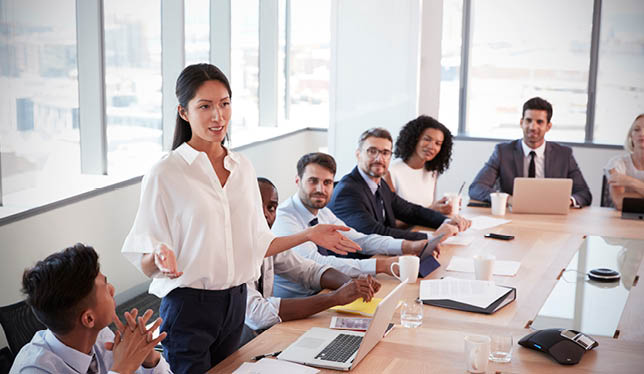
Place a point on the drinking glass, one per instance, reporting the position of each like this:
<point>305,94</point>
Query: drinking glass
<point>411,314</point>
<point>501,348</point>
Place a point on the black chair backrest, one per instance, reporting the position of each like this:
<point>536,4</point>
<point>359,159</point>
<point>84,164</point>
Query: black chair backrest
<point>606,200</point>
<point>19,324</point>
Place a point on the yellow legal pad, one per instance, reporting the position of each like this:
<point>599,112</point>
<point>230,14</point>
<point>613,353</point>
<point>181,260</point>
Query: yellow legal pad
<point>359,307</point>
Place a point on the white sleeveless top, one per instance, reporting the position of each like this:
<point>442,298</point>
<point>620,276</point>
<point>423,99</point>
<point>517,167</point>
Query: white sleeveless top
<point>414,185</point>
<point>624,164</point>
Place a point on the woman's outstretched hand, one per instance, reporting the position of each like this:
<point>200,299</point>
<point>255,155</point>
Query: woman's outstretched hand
<point>327,236</point>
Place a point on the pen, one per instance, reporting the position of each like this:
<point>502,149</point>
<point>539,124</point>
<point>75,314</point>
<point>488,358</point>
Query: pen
<point>274,354</point>
<point>460,190</point>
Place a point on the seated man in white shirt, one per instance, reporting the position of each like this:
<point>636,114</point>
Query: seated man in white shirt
<point>263,310</point>
<point>68,294</point>
<point>308,208</point>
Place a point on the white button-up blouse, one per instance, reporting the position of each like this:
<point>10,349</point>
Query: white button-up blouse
<point>219,234</point>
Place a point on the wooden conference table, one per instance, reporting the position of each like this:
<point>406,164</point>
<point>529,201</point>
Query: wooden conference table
<point>544,244</point>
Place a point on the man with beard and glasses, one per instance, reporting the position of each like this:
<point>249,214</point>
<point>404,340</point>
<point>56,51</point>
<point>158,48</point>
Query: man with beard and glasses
<point>530,157</point>
<point>365,202</point>
<point>264,310</point>
<point>315,173</point>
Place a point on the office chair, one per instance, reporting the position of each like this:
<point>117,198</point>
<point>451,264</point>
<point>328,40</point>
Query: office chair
<point>19,324</point>
<point>606,200</point>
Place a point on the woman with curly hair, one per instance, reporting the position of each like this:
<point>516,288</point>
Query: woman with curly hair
<point>423,152</point>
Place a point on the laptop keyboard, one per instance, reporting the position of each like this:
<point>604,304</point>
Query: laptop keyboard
<point>341,348</point>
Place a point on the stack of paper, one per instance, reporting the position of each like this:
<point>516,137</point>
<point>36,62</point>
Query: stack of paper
<point>466,265</point>
<point>360,307</point>
<point>472,292</point>
<point>271,366</point>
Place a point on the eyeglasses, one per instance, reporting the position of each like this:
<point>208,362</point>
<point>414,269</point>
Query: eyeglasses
<point>373,152</point>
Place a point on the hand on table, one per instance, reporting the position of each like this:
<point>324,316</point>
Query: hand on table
<point>365,286</point>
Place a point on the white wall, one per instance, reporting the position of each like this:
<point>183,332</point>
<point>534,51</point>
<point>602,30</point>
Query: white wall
<point>374,71</point>
<point>103,221</point>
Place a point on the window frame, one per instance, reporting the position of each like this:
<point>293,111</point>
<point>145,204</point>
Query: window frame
<point>466,33</point>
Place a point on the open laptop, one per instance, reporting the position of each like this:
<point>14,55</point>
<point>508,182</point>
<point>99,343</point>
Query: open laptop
<point>342,349</point>
<point>633,208</point>
<point>541,195</point>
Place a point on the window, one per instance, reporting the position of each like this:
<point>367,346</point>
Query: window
<point>450,64</point>
<point>39,129</point>
<point>244,58</point>
<point>620,79</point>
<point>524,49</point>
<point>132,85</point>
<point>309,64</point>
<point>197,31</point>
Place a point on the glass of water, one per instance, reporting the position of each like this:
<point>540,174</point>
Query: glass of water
<point>411,314</point>
<point>501,348</point>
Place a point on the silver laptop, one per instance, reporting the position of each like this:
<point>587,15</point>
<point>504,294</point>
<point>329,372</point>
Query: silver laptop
<point>342,349</point>
<point>541,195</point>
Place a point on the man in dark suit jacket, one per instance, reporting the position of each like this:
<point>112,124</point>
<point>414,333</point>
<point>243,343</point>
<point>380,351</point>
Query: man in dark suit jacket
<point>364,201</point>
<point>531,156</point>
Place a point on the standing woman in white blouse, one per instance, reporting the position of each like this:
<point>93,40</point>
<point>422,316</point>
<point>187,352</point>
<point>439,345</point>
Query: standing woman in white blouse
<point>423,152</point>
<point>625,173</point>
<point>200,231</point>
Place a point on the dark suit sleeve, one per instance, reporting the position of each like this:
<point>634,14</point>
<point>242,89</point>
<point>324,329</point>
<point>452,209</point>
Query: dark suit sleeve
<point>413,214</point>
<point>580,190</point>
<point>486,178</point>
<point>353,208</point>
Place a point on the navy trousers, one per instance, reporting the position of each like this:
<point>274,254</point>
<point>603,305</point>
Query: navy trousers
<point>203,326</point>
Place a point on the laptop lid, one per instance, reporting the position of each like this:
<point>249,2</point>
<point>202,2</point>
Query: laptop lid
<point>381,318</point>
<point>633,208</point>
<point>541,195</point>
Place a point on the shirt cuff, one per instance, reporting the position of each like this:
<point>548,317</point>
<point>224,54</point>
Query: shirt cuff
<point>574,202</point>
<point>161,368</point>
<point>318,276</point>
<point>395,247</point>
<point>368,266</point>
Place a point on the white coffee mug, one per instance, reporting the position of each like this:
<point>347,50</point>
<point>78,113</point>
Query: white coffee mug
<point>477,351</point>
<point>499,201</point>
<point>455,201</point>
<point>408,268</point>
<point>483,266</point>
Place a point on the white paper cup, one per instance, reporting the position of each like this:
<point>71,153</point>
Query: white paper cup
<point>483,267</point>
<point>499,201</point>
<point>408,268</point>
<point>477,351</point>
<point>455,201</point>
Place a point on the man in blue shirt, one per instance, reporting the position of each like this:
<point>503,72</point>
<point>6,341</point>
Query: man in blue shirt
<point>308,207</point>
<point>68,294</point>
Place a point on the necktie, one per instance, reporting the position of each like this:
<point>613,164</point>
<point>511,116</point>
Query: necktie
<point>93,366</point>
<point>321,250</point>
<point>380,207</point>
<point>531,167</point>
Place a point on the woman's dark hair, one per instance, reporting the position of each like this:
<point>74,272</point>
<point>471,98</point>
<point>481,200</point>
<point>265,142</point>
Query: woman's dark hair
<point>410,136</point>
<point>59,287</point>
<point>189,81</point>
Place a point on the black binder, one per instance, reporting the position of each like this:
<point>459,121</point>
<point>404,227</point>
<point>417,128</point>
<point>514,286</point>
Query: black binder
<point>499,303</point>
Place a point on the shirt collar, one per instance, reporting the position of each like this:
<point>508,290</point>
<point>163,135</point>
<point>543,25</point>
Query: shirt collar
<point>190,154</point>
<point>306,215</point>
<point>79,361</point>
<point>373,186</point>
<point>539,151</point>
